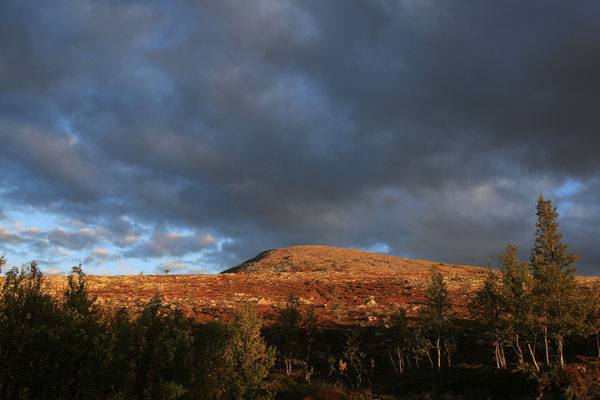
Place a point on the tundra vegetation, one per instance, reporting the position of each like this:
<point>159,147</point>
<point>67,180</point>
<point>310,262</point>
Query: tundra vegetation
<point>531,333</point>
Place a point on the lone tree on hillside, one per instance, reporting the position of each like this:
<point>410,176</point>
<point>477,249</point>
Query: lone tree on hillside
<point>554,286</point>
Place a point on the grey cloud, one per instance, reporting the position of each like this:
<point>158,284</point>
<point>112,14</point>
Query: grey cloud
<point>172,244</point>
<point>55,164</point>
<point>122,231</point>
<point>341,123</point>
<point>10,237</point>
<point>100,256</point>
<point>30,232</point>
<point>119,231</point>
<point>76,240</point>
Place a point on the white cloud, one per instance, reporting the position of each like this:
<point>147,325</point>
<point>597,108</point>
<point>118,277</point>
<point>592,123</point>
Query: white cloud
<point>101,253</point>
<point>54,272</point>
<point>173,244</point>
<point>62,251</point>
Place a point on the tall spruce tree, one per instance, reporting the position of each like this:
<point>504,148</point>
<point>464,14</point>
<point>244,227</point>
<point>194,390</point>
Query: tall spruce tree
<point>554,285</point>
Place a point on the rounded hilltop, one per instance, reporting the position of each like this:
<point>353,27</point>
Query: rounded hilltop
<point>337,259</point>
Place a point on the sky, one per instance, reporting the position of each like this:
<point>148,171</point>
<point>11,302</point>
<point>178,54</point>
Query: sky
<point>140,136</point>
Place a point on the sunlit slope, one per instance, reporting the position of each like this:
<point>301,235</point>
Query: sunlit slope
<point>344,286</point>
<point>336,259</point>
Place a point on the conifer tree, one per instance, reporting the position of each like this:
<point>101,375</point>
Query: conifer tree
<point>489,311</point>
<point>518,301</point>
<point>554,279</point>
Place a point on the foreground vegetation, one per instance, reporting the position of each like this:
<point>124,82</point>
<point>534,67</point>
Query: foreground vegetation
<point>532,332</point>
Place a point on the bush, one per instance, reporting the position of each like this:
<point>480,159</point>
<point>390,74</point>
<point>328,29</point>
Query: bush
<point>235,359</point>
<point>160,353</point>
<point>30,345</point>
<point>583,380</point>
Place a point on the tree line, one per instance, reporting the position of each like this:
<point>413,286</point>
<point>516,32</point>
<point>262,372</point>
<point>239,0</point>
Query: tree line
<point>523,308</point>
<point>524,304</point>
<point>70,347</point>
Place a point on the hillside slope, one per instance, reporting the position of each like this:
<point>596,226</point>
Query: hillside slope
<point>344,286</point>
<point>336,259</point>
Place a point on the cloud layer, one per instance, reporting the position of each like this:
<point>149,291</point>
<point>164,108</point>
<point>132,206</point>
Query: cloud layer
<point>424,128</point>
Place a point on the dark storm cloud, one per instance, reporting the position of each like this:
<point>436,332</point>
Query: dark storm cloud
<point>429,127</point>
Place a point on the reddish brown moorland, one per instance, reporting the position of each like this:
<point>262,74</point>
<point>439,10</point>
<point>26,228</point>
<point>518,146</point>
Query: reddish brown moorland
<point>344,286</point>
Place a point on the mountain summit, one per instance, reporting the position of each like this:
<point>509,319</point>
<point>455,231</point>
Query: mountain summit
<point>336,259</point>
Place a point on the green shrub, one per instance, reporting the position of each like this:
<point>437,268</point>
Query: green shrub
<point>235,359</point>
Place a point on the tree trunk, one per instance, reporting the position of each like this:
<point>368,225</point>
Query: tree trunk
<point>497,354</point>
<point>399,366</point>
<point>598,343</point>
<point>308,350</point>
<point>519,350</point>
<point>560,352</point>
<point>501,355</point>
<point>533,357</point>
<point>393,362</point>
<point>546,344</point>
<point>140,381</point>
<point>439,353</point>
<point>400,360</point>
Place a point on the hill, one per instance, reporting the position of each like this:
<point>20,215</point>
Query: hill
<point>344,286</point>
<point>336,259</point>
